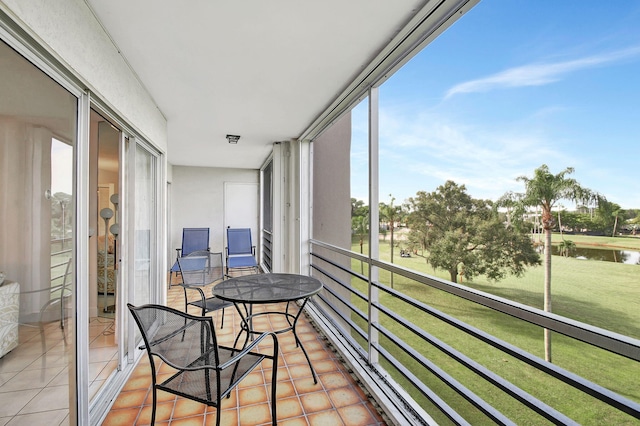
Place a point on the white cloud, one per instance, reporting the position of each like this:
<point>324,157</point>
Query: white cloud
<point>538,74</point>
<point>431,149</point>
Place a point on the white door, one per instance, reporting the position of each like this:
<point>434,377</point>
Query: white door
<point>241,208</point>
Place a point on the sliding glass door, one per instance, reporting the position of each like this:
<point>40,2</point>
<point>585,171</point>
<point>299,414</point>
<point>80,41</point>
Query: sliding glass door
<point>38,140</point>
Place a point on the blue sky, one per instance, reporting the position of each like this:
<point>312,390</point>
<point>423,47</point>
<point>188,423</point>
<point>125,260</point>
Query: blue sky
<point>510,86</point>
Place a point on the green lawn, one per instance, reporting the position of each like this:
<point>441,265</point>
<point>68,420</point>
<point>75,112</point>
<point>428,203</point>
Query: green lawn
<point>603,294</point>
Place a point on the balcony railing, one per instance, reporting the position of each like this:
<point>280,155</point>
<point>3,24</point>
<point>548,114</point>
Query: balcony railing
<point>61,251</point>
<point>421,378</point>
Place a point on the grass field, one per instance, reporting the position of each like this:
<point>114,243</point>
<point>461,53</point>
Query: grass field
<point>603,294</point>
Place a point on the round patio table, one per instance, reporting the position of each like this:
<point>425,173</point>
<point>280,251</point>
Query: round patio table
<point>248,290</point>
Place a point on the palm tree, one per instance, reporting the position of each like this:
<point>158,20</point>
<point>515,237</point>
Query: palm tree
<point>391,214</point>
<point>566,247</point>
<point>544,190</point>
<point>616,213</point>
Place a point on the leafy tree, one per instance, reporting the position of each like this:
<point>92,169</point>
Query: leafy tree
<point>545,189</point>
<point>463,234</point>
<point>608,215</point>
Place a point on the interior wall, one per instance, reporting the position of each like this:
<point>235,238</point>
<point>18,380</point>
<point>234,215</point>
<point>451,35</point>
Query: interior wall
<point>69,28</point>
<point>197,196</point>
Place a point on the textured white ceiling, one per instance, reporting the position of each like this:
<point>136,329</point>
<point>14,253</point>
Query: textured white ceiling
<point>260,69</point>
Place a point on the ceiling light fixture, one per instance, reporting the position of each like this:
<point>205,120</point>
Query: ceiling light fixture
<point>233,139</point>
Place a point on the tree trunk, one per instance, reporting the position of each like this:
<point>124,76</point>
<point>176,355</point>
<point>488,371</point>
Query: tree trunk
<point>615,225</point>
<point>560,226</point>
<point>361,251</point>
<point>547,290</point>
<point>454,275</point>
<point>392,248</point>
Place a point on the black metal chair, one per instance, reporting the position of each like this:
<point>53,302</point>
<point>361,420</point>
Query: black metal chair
<point>198,269</point>
<point>206,372</point>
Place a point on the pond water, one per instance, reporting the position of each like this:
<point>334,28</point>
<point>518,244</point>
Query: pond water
<point>606,255</point>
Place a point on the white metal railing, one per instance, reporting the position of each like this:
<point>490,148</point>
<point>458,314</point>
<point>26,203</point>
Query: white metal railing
<point>347,308</point>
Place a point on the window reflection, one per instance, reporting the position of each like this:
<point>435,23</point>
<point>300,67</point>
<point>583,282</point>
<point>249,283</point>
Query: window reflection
<point>37,228</point>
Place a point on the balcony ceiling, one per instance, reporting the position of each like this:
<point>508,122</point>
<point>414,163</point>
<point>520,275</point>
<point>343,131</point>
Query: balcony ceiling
<point>260,69</point>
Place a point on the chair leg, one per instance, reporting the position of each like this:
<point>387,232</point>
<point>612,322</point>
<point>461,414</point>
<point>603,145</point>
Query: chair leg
<point>274,380</point>
<point>153,407</point>
<point>186,305</point>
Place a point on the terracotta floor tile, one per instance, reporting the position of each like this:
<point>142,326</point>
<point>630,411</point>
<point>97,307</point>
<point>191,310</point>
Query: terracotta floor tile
<point>288,408</point>
<point>344,396</point>
<point>124,417</point>
<point>357,415</point>
<point>187,408</point>
<point>315,402</point>
<point>299,371</point>
<point>325,366</point>
<point>228,403</point>
<point>189,421</point>
<point>255,415</point>
<point>161,396</point>
<point>319,355</point>
<point>141,382</point>
<point>313,346</point>
<point>330,417</point>
<point>298,421</point>
<point>164,410</point>
<point>296,357</point>
<point>252,379</point>
<point>128,399</point>
<point>253,395</point>
<point>334,380</point>
<point>306,385</point>
<point>228,418</point>
<point>284,389</point>
<point>283,374</point>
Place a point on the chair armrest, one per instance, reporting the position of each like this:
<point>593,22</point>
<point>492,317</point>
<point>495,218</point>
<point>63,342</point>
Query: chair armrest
<point>248,349</point>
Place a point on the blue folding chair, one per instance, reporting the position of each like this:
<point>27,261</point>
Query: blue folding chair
<point>241,254</point>
<point>192,239</point>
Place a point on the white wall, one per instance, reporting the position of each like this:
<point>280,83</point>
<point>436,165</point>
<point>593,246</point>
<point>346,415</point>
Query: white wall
<point>197,196</point>
<point>71,32</point>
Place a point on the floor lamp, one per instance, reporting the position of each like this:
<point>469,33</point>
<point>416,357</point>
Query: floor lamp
<point>107,214</point>
<point>115,230</point>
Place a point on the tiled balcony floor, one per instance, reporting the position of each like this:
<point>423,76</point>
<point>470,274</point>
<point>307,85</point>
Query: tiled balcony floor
<point>335,400</point>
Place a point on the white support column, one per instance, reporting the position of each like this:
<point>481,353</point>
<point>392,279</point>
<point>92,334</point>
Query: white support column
<point>82,192</point>
<point>374,219</point>
<point>304,210</point>
<point>277,196</point>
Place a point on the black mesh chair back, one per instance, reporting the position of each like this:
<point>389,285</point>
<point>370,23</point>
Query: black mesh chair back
<point>199,269</point>
<point>204,371</point>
